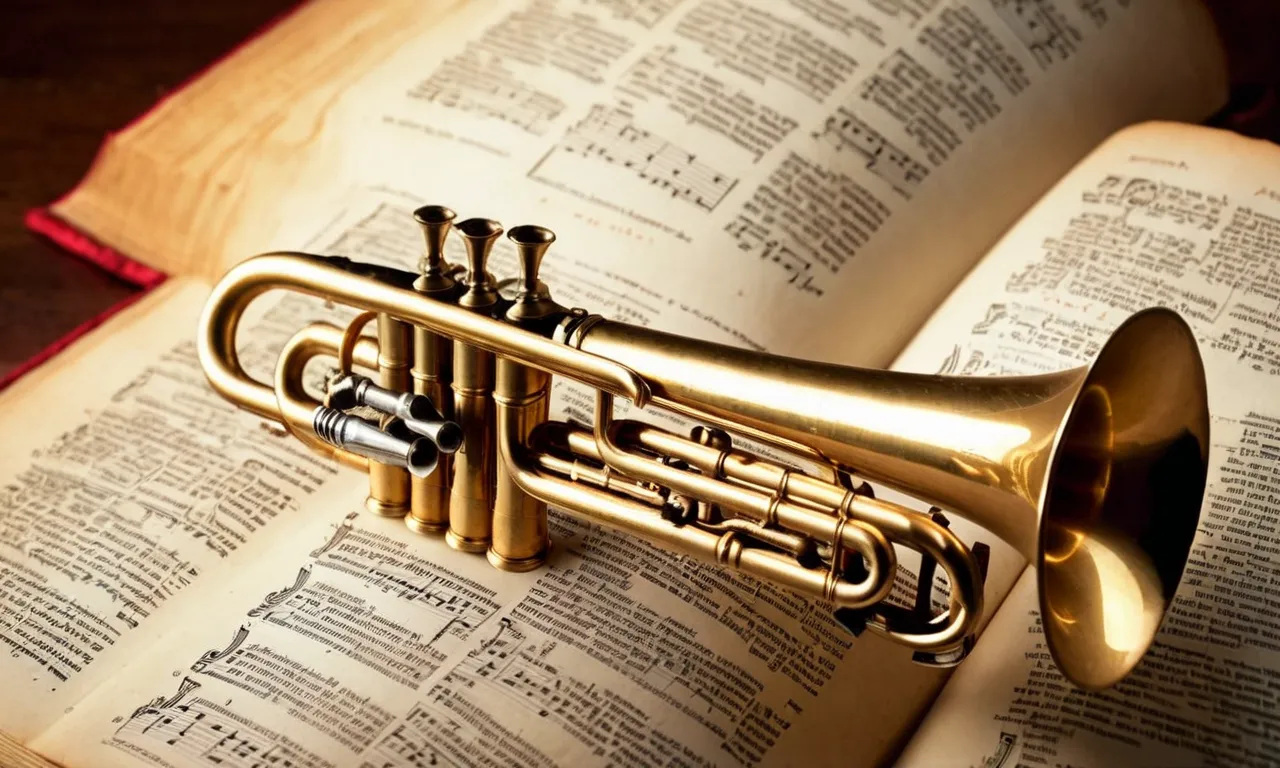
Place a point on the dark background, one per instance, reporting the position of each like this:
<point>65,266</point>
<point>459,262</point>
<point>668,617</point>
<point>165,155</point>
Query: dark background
<point>70,72</point>
<point>73,70</point>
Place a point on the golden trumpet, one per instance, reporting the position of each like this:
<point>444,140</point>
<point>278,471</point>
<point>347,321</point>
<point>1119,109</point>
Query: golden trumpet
<point>1095,475</point>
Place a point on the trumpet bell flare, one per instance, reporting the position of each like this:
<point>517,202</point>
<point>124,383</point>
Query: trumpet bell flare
<point>1122,501</point>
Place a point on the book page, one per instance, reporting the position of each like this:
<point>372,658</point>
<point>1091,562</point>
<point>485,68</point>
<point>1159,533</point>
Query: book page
<point>615,652</point>
<point>360,642</point>
<point>772,155</point>
<point>123,480</point>
<point>1168,215</point>
<point>782,155</point>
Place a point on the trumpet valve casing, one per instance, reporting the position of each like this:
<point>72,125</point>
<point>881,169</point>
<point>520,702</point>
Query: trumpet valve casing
<point>471,493</point>
<point>522,402</point>
<point>389,485</point>
<point>520,535</point>
<point>432,369</point>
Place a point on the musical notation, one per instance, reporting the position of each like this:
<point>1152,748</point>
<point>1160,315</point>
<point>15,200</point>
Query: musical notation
<point>756,238</point>
<point>846,132</point>
<point>809,219</point>
<point>216,655</point>
<point>402,746</point>
<point>515,666</point>
<point>482,85</point>
<point>910,10</point>
<point>646,13</point>
<point>208,734</point>
<point>1041,27</point>
<point>610,135</point>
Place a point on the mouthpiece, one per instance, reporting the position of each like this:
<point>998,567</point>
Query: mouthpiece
<point>447,435</point>
<point>418,455</point>
<point>417,412</point>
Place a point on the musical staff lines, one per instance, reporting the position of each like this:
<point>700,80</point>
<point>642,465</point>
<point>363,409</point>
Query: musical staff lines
<point>1041,27</point>
<point>208,734</point>
<point>846,132</point>
<point>516,668</point>
<point>665,76</point>
<point>808,219</point>
<point>758,239</point>
<point>609,135</point>
<point>482,85</point>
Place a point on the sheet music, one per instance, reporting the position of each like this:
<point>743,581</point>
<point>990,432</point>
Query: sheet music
<point>610,136</point>
<point>1042,27</point>
<point>116,504</point>
<point>845,131</point>
<point>195,729</point>
<point>311,655</point>
<point>266,633</point>
<point>1162,216</point>
<point>773,151</point>
<point>596,666</point>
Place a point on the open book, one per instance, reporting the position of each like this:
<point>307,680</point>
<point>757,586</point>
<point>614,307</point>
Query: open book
<point>962,186</point>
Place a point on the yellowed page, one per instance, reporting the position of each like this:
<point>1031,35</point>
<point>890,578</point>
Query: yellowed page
<point>1161,215</point>
<point>772,158</point>
<point>695,661</point>
<point>167,188</point>
<point>126,480</point>
<point>299,657</point>
<point>780,157</point>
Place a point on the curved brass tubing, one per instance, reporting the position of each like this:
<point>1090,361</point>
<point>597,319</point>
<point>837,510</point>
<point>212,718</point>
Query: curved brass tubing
<point>382,290</point>
<point>852,535</point>
<point>900,525</point>
<point>642,520</point>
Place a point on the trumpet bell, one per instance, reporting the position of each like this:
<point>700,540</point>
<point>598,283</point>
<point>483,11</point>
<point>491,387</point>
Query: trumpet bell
<point>1095,474</point>
<point>1120,508</point>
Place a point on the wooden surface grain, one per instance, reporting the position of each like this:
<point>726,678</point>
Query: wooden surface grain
<point>72,71</point>
<point>14,755</point>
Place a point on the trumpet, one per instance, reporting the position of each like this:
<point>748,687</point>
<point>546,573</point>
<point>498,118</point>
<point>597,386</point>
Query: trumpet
<point>1095,475</point>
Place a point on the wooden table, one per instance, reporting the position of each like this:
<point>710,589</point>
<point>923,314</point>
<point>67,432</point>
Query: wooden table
<point>70,72</point>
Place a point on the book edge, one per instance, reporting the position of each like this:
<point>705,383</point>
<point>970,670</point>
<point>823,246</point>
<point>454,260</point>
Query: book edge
<point>42,221</point>
<point>182,85</point>
<point>46,223</point>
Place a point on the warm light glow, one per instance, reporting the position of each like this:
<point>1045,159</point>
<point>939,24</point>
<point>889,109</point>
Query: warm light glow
<point>1077,538</point>
<point>962,435</point>
<point>1124,614</point>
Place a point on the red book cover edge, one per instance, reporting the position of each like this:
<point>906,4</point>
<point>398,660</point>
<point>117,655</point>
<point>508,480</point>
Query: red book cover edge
<point>44,222</point>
